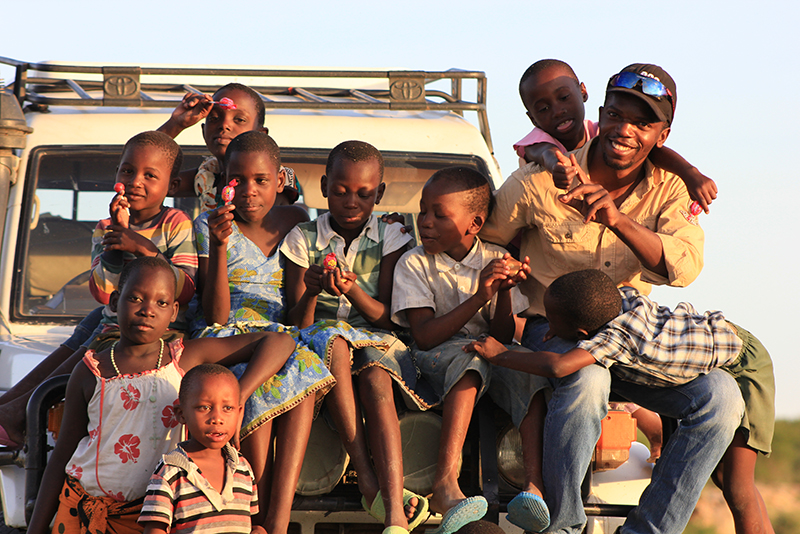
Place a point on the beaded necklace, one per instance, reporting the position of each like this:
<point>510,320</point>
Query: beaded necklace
<point>114,363</point>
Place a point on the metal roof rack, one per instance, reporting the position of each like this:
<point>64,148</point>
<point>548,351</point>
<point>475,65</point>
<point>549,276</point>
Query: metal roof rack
<point>83,85</point>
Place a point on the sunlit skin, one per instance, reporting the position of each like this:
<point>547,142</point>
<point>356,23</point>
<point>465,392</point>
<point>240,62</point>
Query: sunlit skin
<point>211,414</point>
<point>145,173</point>
<point>352,189</point>
<point>554,102</point>
<point>223,125</point>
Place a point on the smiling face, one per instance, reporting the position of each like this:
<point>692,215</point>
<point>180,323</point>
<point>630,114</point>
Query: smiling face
<point>145,172</point>
<point>352,189</point>
<point>554,102</point>
<point>211,410</point>
<point>629,130</point>
<point>223,125</point>
<point>445,223</point>
<point>146,305</point>
<point>259,183</point>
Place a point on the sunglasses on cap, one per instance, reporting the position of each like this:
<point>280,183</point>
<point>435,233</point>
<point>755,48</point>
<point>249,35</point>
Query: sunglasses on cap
<point>649,86</point>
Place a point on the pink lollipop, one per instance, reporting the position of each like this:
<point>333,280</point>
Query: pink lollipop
<point>229,190</point>
<point>695,208</point>
<point>226,103</point>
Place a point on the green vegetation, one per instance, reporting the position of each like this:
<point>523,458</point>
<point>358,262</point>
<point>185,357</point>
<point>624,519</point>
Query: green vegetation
<point>783,466</point>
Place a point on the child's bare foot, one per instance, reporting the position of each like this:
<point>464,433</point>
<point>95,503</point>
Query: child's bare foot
<point>445,498</point>
<point>456,509</point>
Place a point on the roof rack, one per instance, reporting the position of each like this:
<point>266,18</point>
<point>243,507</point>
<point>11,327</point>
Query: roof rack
<point>84,85</point>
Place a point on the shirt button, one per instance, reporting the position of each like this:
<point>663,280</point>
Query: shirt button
<point>608,264</point>
<point>461,288</point>
<point>568,235</point>
<point>458,266</point>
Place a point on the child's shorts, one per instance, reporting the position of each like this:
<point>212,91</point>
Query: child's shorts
<point>753,373</point>
<point>513,391</point>
<point>443,366</point>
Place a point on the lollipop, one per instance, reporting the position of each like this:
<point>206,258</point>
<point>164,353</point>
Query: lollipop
<point>228,191</point>
<point>226,103</point>
<point>119,187</point>
<point>330,263</point>
<point>514,267</point>
<point>695,208</point>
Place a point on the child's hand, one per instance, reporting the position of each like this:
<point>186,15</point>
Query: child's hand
<point>562,168</point>
<point>492,278</point>
<point>517,271</point>
<point>487,347</point>
<point>258,530</point>
<point>220,225</point>
<point>119,210</point>
<point>193,108</point>
<point>338,282</point>
<point>124,239</point>
<point>313,279</point>
<point>701,188</point>
<point>395,217</point>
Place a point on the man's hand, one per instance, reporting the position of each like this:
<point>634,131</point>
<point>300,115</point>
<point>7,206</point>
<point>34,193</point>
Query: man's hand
<point>487,347</point>
<point>220,225</point>
<point>592,201</point>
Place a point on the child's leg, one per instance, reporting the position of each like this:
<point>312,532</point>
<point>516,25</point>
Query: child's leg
<point>458,406</point>
<point>292,430</point>
<point>736,474</point>
<point>346,415</point>
<point>383,430</point>
<point>257,448</point>
<point>531,431</point>
<point>650,424</point>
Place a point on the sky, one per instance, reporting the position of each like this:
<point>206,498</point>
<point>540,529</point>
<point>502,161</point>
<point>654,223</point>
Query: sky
<point>735,65</point>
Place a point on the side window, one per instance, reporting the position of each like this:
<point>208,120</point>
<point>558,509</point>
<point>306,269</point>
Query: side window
<point>69,190</point>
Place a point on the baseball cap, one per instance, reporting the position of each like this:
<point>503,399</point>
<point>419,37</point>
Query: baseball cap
<point>650,83</point>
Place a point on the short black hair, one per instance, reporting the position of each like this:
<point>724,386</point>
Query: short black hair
<point>355,152</point>
<point>196,374</point>
<point>254,141</point>
<point>588,299</point>
<point>164,143</point>
<point>152,262</point>
<point>478,198</point>
<point>480,527</point>
<point>543,65</point>
<point>261,112</point>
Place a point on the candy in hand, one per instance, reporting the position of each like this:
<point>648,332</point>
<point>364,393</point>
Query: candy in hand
<point>514,267</point>
<point>229,190</point>
<point>226,103</point>
<point>695,208</point>
<point>330,263</point>
<point>119,187</point>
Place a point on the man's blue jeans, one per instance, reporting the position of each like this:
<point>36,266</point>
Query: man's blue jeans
<point>710,409</point>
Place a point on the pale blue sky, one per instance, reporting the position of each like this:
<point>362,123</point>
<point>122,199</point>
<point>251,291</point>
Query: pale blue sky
<point>735,64</point>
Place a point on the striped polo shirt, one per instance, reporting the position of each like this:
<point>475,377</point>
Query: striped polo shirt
<point>180,497</point>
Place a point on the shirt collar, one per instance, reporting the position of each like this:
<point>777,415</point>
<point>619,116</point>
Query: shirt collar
<point>653,176</point>
<point>473,259</point>
<point>325,233</point>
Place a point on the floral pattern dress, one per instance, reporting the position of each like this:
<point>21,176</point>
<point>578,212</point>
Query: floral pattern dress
<point>258,304</point>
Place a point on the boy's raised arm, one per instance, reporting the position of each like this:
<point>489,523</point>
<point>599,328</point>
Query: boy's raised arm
<point>193,108</point>
<point>701,188</point>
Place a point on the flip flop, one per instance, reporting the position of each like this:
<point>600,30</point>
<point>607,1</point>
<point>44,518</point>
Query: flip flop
<point>529,512</point>
<point>5,441</point>
<point>394,529</point>
<point>469,510</point>
<point>378,512</point>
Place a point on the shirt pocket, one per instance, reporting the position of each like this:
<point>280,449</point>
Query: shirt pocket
<point>568,246</point>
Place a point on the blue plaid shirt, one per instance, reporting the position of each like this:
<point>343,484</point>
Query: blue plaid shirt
<point>651,345</point>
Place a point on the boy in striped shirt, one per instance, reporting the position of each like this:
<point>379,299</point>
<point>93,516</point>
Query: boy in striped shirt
<point>204,485</point>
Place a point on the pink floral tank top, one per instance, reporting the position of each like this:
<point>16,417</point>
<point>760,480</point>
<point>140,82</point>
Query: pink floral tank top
<point>132,422</point>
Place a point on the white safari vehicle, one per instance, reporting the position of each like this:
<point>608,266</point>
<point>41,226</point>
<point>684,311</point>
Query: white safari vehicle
<point>62,128</point>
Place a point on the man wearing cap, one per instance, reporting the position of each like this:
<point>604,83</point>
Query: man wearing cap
<point>632,221</point>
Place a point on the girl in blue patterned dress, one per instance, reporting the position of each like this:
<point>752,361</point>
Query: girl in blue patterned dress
<point>242,291</point>
<point>351,306</point>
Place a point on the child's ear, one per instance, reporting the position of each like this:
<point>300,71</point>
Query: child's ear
<point>179,414</point>
<point>381,191</point>
<point>174,184</point>
<point>281,180</point>
<point>584,92</point>
<point>530,116</point>
<point>175,308</point>
<point>476,225</point>
<point>263,130</point>
<point>323,184</point>
<point>113,301</point>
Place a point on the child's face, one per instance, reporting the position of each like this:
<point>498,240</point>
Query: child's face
<point>145,172</point>
<point>211,411</point>
<point>445,223</point>
<point>146,305</point>
<point>352,189</point>
<point>223,125</point>
<point>259,182</point>
<point>629,130</point>
<point>554,101</point>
